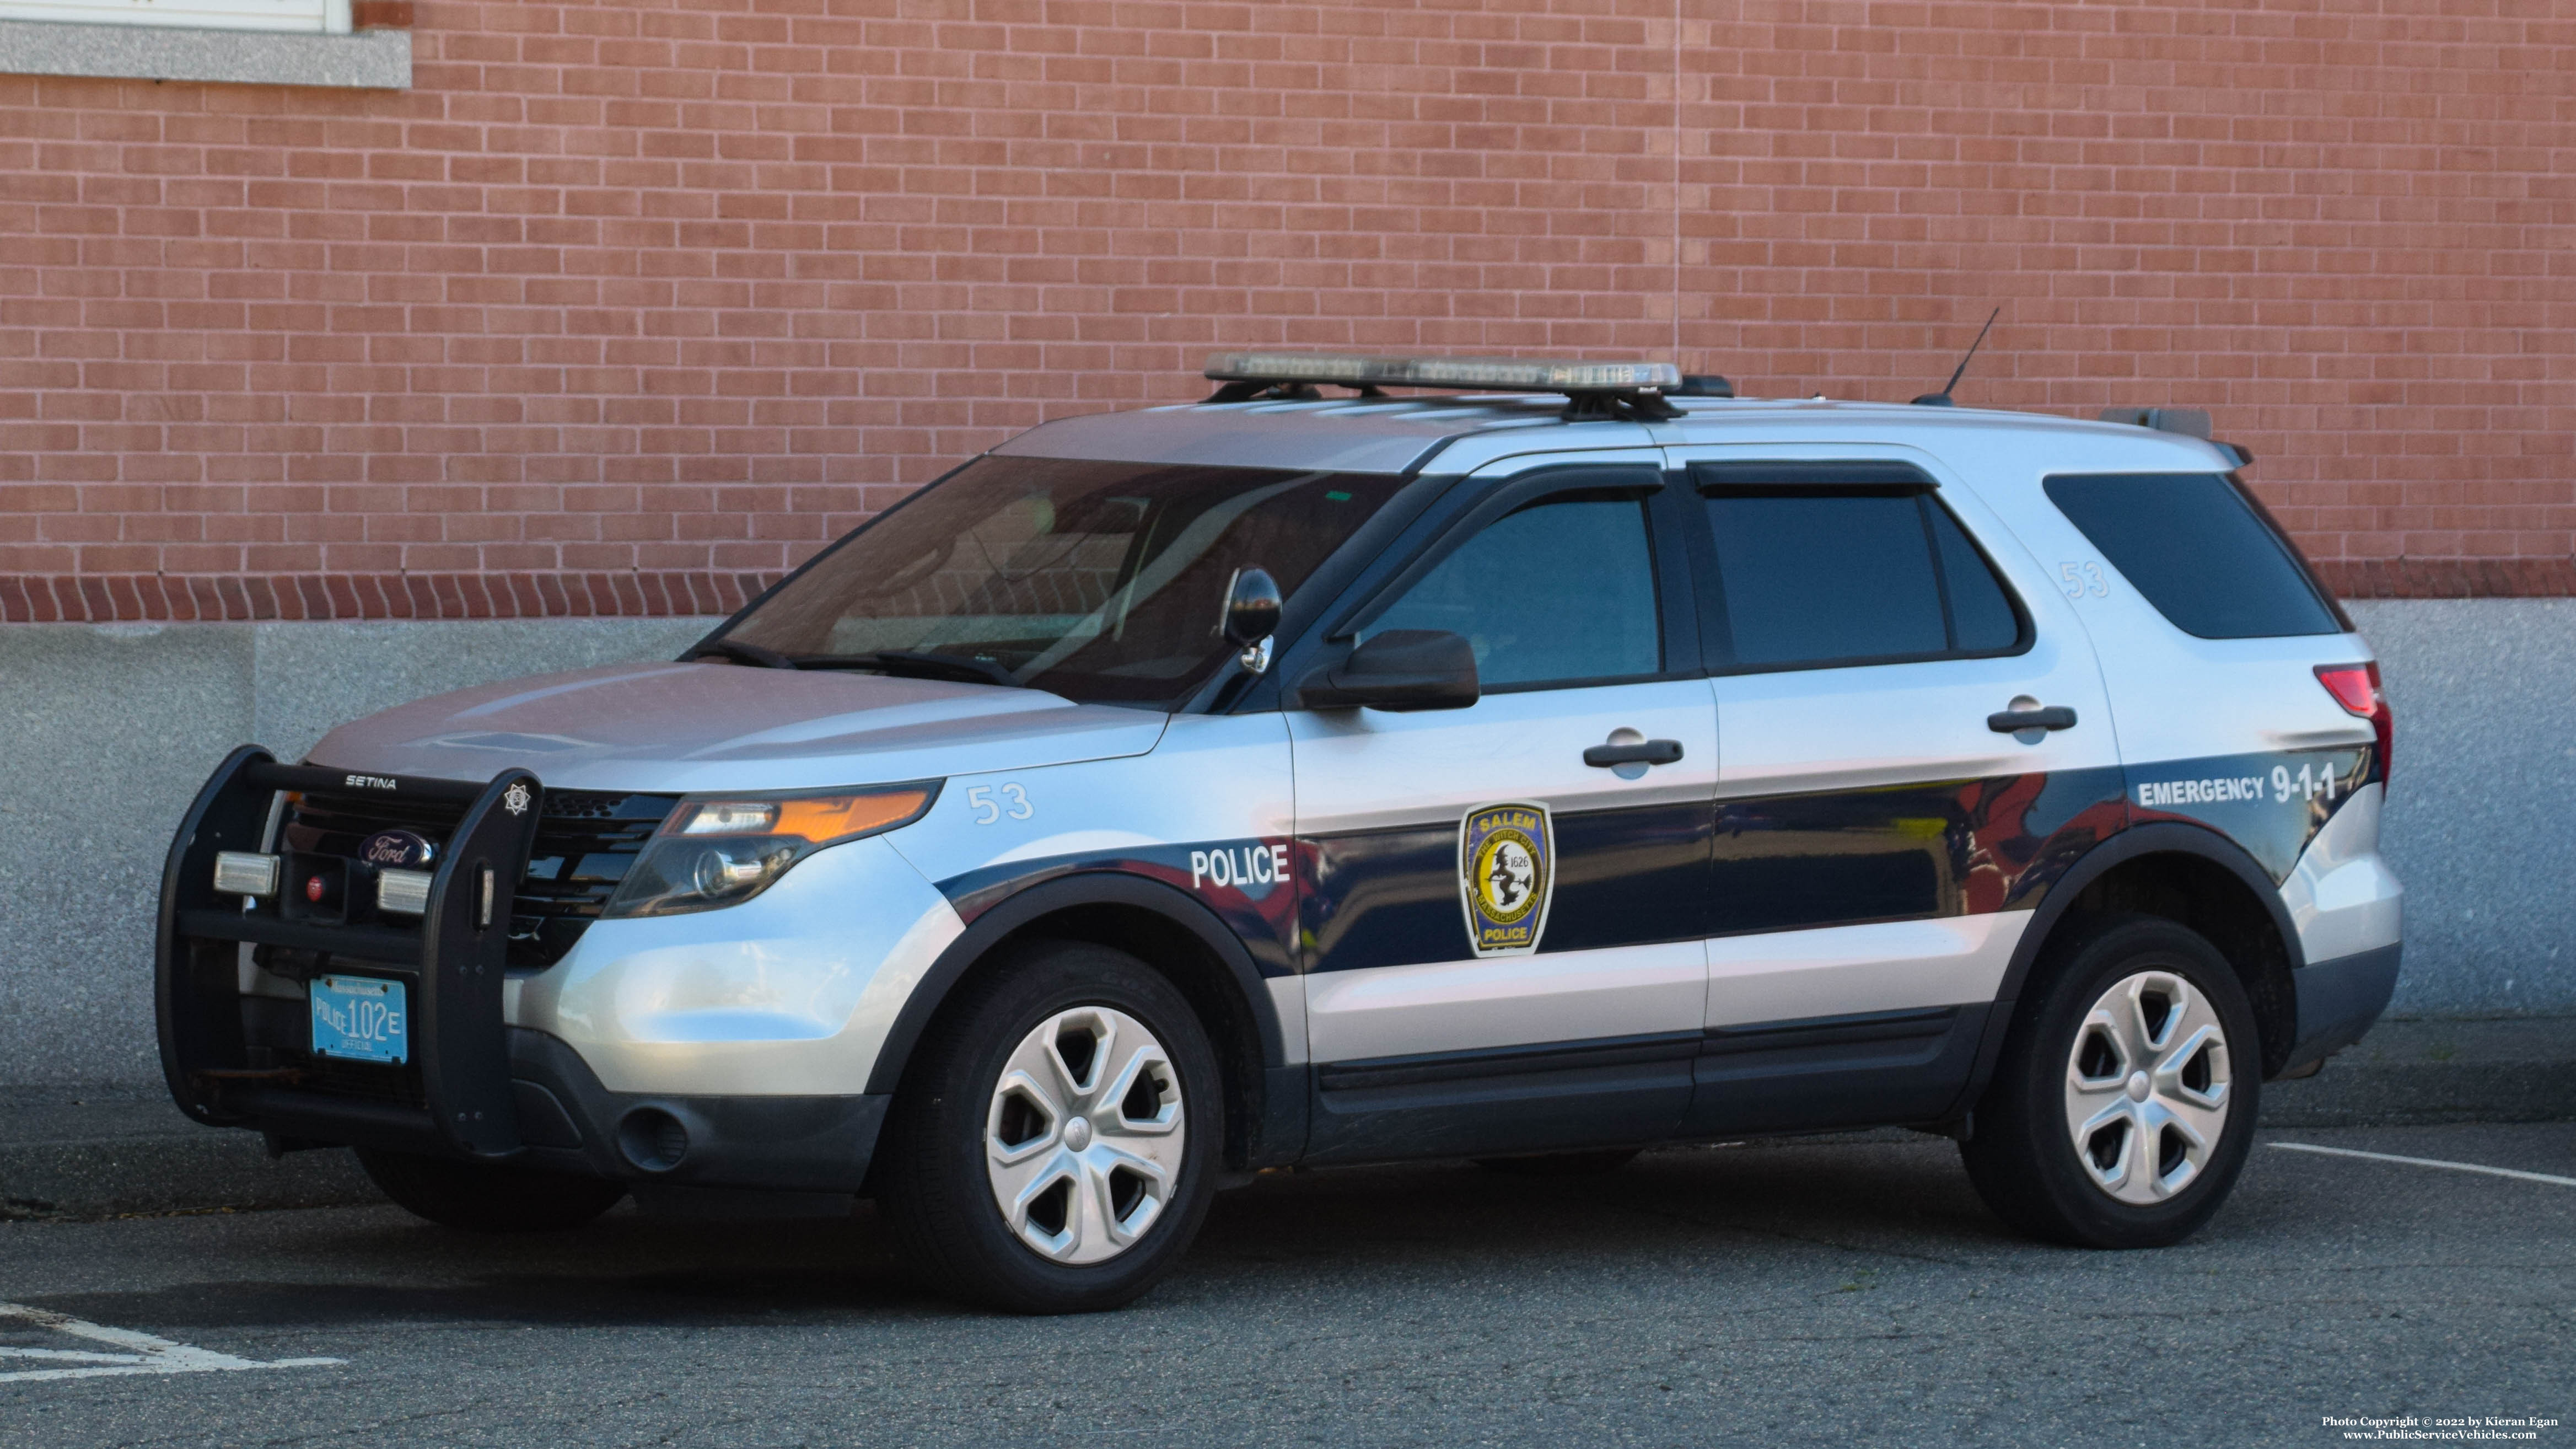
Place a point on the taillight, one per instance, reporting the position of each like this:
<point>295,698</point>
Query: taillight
<point>2356,688</point>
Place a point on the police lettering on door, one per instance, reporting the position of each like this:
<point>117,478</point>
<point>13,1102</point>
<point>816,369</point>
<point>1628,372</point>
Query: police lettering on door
<point>1244,865</point>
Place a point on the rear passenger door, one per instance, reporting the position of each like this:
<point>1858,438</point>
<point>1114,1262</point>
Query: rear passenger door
<point>1502,939</point>
<point>1874,637</point>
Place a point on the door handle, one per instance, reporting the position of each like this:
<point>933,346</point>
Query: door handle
<point>1644,752</point>
<point>2013,721</point>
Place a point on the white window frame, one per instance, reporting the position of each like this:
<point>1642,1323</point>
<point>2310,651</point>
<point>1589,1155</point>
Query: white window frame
<point>238,42</point>
<point>302,17</point>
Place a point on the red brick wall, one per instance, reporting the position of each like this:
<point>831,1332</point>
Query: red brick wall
<point>628,292</point>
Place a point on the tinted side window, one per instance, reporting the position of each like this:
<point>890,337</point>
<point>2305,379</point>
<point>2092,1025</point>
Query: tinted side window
<point>1815,577</point>
<point>1826,576</point>
<point>2199,550</point>
<point>1555,592</point>
<point>1982,620</point>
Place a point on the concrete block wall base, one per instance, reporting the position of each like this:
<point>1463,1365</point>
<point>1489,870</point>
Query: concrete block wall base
<point>85,1156</point>
<point>112,730</point>
<point>2521,1069</point>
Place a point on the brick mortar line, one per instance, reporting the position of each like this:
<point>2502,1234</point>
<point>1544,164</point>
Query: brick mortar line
<point>247,598</point>
<point>573,594</point>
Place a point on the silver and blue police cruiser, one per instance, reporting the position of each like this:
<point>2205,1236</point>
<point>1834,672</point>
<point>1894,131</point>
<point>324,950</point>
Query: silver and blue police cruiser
<point>1292,779</point>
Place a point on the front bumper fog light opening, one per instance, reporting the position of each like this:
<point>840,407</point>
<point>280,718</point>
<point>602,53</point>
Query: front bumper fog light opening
<point>652,1139</point>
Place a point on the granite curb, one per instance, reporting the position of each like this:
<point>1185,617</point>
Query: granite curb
<point>68,1153</point>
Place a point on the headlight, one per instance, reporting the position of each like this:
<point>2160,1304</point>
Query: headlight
<point>723,850</point>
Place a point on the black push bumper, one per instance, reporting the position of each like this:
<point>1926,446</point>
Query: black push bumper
<point>458,1100</point>
<point>473,1087</point>
<point>2338,1001</point>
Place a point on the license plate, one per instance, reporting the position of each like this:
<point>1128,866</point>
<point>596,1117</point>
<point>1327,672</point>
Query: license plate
<point>361,1018</point>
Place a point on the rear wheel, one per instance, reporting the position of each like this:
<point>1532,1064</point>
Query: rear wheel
<point>1053,1145</point>
<point>482,1197</point>
<point>2123,1106</point>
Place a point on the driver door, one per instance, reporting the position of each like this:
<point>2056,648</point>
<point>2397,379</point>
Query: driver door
<point>1503,939</point>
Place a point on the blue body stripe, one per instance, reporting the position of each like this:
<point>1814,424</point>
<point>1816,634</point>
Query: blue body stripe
<point>1681,872</point>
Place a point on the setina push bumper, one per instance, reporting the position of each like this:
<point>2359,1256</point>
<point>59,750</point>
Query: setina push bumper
<point>344,984</point>
<point>405,974</point>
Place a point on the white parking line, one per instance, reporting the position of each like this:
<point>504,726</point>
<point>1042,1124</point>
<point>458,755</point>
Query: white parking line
<point>145,1354</point>
<point>2431,1162</point>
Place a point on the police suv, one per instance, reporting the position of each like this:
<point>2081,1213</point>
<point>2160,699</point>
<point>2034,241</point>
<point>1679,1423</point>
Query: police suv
<point>1581,760</point>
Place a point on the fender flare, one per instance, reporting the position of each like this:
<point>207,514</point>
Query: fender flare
<point>1082,888</point>
<point>2164,837</point>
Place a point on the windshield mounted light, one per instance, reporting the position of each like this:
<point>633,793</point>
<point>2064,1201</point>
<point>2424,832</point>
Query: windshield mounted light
<point>1472,374</point>
<point>718,851</point>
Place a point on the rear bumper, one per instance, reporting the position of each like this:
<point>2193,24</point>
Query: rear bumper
<point>2338,1002</point>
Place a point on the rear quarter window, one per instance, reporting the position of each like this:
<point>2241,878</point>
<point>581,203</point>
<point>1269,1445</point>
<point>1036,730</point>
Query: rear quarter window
<point>2201,550</point>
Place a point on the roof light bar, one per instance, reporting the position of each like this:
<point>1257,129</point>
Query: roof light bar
<point>1473,374</point>
<point>1594,391</point>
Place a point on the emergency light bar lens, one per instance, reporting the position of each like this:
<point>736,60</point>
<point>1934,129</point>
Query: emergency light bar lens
<point>1490,374</point>
<point>403,891</point>
<point>244,873</point>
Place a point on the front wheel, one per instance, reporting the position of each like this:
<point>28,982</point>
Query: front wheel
<point>484,1197</point>
<point>2123,1106</point>
<point>1052,1147</point>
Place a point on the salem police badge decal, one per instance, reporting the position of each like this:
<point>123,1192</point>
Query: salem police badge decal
<point>1506,872</point>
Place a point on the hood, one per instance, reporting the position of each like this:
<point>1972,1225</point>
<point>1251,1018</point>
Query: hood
<point>681,728</point>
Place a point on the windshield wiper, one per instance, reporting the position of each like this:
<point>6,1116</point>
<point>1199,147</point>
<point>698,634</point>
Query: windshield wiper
<point>917,662</point>
<point>739,652</point>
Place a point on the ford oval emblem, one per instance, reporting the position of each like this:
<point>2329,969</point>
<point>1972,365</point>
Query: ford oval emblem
<point>397,848</point>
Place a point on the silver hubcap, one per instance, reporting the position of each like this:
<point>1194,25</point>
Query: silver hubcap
<point>2146,1087</point>
<point>1085,1136</point>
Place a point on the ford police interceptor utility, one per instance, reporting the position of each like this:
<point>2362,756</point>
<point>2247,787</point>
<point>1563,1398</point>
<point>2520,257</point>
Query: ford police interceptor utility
<point>1303,779</point>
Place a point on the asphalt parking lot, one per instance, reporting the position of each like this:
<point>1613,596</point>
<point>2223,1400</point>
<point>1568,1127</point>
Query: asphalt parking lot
<point>1835,1293</point>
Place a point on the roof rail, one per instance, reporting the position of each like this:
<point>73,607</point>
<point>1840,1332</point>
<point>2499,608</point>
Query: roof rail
<point>1593,390</point>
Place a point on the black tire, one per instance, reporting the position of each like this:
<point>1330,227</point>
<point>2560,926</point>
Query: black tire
<point>482,1197</point>
<point>934,1188</point>
<point>2022,1154</point>
<point>1561,1164</point>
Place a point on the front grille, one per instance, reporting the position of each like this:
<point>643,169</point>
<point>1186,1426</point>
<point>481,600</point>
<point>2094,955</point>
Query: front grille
<point>585,841</point>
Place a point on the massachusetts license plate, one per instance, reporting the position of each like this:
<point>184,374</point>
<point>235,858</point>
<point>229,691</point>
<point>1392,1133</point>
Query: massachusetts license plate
<point>360,1018</point>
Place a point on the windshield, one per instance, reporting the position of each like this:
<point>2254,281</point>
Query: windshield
<point>1101,582</point>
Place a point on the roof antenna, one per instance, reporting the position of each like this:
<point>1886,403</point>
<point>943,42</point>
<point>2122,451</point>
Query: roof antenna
<point>1941,399</point>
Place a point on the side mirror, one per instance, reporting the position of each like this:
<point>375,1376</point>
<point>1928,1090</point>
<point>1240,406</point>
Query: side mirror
<point>1401,669</point>
<point>1252,606</point>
